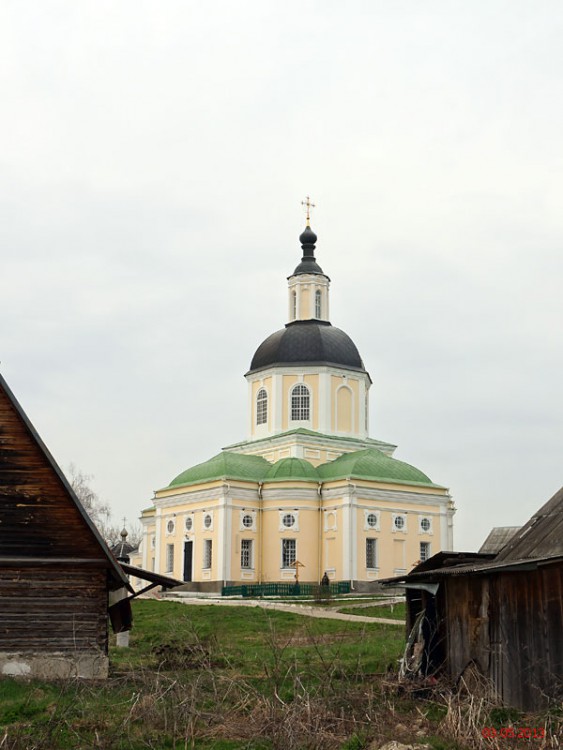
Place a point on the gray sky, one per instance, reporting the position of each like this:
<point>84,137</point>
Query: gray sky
<point>153,157</point>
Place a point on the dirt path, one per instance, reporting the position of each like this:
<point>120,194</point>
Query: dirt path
<point>296,609</point>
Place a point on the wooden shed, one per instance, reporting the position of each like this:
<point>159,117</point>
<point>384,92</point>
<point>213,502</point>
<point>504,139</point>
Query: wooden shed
<point>56,572</point>
<point>500,615</point>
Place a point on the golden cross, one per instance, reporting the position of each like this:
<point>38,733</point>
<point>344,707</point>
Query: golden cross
<point>297,565</point>
<point>307,203</point>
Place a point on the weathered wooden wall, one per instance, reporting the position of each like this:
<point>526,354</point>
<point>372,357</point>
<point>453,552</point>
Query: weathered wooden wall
<point>511,625</point>
<point>530,626</point>
<point>52,608</point>
<point>467,615</point>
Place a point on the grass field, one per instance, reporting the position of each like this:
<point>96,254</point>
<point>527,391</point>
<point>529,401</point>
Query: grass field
<point>228,678</point>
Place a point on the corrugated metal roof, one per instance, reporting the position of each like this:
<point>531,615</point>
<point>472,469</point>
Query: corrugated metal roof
<point>478,568</point>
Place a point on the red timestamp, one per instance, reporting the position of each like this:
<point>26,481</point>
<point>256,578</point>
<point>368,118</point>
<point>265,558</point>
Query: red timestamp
<point>528,733</point>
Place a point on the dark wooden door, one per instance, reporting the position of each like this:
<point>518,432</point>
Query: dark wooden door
<point>188,557</point>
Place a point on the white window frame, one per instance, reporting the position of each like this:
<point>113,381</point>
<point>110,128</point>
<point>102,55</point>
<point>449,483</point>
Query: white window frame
<point>247,552</point>
<point>207,513</point>
<point>294,305</point>
<point>372,541</point>
<point>189,517</point>
<point>428,548</point>
<point>318,304</point>
<point>331,525</point>
<point>170,532</point>
<point>294,526</point>
<point>394,528</point>
<point>207,554</point>
<point>285,543</point>
<point>170,557</point>
<point>300,408</point>
<point>421,530</point>
<point>376,526</point>
<point>243,514</point>
<point>261,410</point>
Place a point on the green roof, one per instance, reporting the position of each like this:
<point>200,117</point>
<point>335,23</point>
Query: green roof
<point>225,466</point>
<point>292,468</point>
<point>371,464</point>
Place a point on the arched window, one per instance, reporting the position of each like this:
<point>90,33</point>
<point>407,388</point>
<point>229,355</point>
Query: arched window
<point>300,401</point>
<point>294,305</point>
<point>261,407</point>
<point>318,303</point>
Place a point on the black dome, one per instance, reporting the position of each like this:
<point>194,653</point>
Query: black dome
<point>308,342</point>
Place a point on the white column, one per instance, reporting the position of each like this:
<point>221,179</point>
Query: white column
<point>324,402</point>
<point>225,536</point>
<point>277,393</point>
<point>157,538</point>
<point>145,558</point>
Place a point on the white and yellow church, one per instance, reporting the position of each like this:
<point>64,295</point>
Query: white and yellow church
<point>308,485</point>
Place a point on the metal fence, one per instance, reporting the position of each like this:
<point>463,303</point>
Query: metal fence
<point>256,590</point>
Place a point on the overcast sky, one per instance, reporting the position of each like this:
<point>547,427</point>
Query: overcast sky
<point>153,156</point>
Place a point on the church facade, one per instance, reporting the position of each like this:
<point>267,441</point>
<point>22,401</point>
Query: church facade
<point>308,486</point>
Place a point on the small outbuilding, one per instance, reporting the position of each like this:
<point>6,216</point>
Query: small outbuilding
<point>500,615</point>
<point>56,572</point>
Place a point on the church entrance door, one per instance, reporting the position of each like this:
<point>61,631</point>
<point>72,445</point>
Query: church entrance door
<point>188,558</point>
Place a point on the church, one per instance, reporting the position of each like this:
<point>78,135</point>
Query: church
<point>308,490</point>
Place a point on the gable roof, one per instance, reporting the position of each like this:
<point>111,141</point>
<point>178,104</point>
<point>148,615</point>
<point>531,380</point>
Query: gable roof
<point>41,517</point>
<point>541,536</point>
<point>498,538</point>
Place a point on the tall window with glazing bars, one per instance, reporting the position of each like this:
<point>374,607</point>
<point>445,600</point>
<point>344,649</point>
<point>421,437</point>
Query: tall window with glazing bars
<point>261,407</point>
<point>300,403</point>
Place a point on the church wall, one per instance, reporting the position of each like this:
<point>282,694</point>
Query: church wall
<point>334,540</point>
<point>312,382</point>
<point>349,519</point>
<point>345,416</point>
<point>301,501</point>
<point>397,550</point>
<point>239,534</point>
<point>261,430</point>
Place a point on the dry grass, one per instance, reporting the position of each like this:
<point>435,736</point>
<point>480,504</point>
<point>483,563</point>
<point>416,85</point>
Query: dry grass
<point>293,687</point>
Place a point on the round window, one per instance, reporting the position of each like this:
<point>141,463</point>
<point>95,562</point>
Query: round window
<point>425,524</point>
<point>207,521</point>
<point>288,520</point>
<point>170,527</point>
<point>399,522</point>
<point>247,521</point>
<point>189,523</point>
<point>372,520</point>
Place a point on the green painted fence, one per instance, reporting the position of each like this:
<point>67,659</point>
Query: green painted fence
<point>256,590</point>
